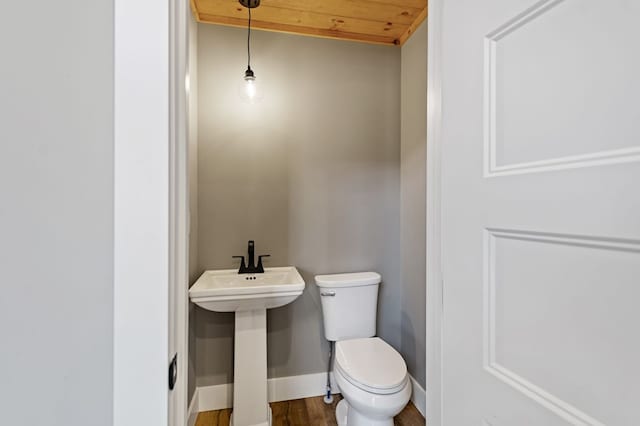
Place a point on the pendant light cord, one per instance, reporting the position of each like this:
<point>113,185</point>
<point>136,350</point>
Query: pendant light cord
<point>249,41</point>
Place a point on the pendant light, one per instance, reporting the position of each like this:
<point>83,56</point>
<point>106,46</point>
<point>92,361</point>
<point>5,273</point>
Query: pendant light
<point>250,89</point>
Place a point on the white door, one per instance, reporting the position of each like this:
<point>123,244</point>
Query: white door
<point>541,212</point>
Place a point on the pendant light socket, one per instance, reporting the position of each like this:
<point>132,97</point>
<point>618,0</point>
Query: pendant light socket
<point>251,4</point>
<point>249,90</point>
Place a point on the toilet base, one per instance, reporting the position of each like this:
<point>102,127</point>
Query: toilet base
<point>341,413</point>
<point>347,416</point>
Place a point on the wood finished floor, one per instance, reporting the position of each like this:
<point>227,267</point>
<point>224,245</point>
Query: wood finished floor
<point>306,412</point>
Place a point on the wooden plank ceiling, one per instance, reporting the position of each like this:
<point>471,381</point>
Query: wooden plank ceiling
<point>373,21</point>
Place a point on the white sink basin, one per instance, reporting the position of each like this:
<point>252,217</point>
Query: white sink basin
<point>228,291</point>
<point>249,296</point>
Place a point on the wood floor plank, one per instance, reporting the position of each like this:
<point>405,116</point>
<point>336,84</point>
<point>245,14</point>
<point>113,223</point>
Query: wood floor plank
<point>279,413</point>
<point>225,417</point>
<point>307,412</point>
<point>297,414</point>
<point>208,418</point>
<point>410,416</point>
<point>330,410</point>
<point>315,411</point>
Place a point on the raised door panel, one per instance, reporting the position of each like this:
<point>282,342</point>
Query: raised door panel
<point>560,85</point>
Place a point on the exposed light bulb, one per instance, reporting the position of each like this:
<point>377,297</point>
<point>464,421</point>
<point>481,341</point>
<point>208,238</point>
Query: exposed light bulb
<point>250,90</point>
<point>250,87</point>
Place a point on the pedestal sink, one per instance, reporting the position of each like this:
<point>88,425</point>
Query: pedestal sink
<point>249,296</point>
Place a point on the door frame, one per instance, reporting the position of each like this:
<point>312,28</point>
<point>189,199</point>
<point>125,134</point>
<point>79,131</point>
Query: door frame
<point>150,212</point>
<point>435,279</point>
<point>145,86</point>
<point>179,200</point>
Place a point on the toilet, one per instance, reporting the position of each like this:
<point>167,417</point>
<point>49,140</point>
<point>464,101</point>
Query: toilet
<point>371,375</point>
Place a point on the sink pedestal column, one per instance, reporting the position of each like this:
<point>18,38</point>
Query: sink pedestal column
<point>250,399</point>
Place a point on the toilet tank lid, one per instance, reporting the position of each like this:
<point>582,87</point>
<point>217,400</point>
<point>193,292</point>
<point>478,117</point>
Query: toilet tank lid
<point>354,279</point>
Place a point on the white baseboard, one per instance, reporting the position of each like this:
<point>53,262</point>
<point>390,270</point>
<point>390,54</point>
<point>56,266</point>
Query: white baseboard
<point>418,396</point>
<point>215,397</point>
<point>296,387</point>
<point>194,409</point>
<point>218,397</point>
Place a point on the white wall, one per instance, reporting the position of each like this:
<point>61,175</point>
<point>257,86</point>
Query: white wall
<point>56,212</point>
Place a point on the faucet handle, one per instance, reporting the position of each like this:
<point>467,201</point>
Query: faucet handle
<point>243,267</point>
<point>260,267</point>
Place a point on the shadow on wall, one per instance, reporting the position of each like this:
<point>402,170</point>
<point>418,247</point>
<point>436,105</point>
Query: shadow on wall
<point>191,368</point>
<point>214,339</point>
<point>285,323</point>
<point>409,347</point>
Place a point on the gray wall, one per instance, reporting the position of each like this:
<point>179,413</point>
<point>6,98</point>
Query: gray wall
<point>312,174</point>
<point>193,193</point>
<point>56,212</point>
<point>413,201</point>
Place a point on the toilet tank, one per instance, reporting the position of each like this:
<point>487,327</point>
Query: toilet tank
<point>349,304</point>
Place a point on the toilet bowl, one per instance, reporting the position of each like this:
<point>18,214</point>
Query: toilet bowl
<point>373,380</point>
<point>371,375</point>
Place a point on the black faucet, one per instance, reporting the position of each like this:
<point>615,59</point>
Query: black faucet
<point>250,267</point>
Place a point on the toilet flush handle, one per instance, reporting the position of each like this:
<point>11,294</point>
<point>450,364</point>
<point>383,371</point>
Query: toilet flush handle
<point>328,293</point>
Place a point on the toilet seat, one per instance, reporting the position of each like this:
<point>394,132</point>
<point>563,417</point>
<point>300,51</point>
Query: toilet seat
<point>372,365</point>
